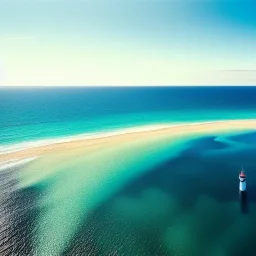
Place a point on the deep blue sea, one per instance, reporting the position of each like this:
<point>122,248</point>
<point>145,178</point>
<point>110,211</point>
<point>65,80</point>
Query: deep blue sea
<point>147,196</point>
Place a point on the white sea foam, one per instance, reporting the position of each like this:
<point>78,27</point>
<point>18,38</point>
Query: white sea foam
<point>14,163</point>
<point>8,148</point>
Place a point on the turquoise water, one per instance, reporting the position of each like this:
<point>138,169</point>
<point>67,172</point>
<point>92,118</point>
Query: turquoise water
<point>149,196</point>
<point>42,113</point>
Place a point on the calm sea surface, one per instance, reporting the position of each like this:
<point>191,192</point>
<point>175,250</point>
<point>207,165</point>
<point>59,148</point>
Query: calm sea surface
<point>29,114</point>
<point>147,198</point>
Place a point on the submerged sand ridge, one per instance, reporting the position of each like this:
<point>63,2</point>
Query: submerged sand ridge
<point>76,177</point>
<point>91,144</point>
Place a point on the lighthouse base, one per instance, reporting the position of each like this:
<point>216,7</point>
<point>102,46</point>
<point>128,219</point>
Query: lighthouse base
<point>243,202</point>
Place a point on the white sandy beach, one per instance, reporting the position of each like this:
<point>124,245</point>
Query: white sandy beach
<point>92,143</point>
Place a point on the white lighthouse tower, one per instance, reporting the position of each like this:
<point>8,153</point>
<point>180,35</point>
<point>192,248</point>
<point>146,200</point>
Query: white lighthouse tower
<point>242,178</point>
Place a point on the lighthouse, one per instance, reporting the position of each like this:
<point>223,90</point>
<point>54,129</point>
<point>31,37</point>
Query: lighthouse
<point>242,178</point>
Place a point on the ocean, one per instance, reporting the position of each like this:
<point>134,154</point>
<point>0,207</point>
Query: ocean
<point>152,196</point>
<point>29,114</point>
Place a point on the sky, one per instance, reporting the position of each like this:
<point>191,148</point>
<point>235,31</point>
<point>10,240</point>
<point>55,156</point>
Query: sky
<point>127,42</point>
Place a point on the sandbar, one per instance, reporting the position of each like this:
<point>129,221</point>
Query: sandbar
<point>92,144</point>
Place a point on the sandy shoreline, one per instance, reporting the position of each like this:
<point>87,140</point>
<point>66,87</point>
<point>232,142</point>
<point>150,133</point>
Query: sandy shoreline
<point>91,144</point>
